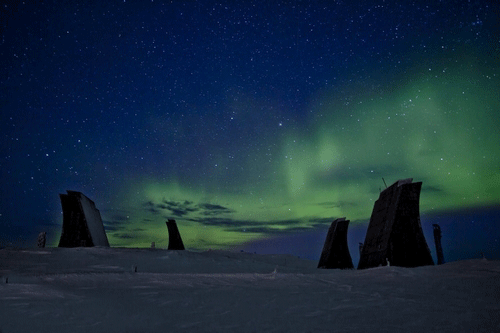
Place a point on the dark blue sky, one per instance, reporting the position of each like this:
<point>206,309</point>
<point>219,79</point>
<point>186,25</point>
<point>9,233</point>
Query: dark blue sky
<point>250,120</point>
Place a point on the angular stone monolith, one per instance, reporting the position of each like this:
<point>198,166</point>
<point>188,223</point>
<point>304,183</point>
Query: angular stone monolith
<point>395,234</point>
<point>335,252</point>
<point>174,237</point>
<point>82,223</point>
<point>437,242</point>
<point>42,238</point>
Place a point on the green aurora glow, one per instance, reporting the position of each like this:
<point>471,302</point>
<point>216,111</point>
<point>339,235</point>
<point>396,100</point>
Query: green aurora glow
<point>440,126</point>
<point>253,124</point>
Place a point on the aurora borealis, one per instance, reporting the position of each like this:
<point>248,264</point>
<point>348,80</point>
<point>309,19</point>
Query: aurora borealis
<point>245,120</point>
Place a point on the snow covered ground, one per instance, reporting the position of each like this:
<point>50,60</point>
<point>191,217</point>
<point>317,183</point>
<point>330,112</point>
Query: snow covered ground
<point>155,290</point>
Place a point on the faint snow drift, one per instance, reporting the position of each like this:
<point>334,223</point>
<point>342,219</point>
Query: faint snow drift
<point>154,290</point>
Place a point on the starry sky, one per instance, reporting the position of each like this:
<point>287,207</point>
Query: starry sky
<point>253,124</point>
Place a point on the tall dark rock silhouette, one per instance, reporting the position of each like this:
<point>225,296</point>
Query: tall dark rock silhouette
<point>437,242</point>
<point>335,252</point>
<point>395,234</point>
<point>82,223</point>
<point>42,238</point>
<point>174,237</point>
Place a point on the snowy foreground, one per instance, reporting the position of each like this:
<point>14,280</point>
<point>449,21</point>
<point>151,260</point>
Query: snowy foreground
<point>153,290</point>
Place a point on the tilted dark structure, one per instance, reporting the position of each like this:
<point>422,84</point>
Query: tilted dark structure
<point>437,242</point>
<point>335,252</point>
<point>174,237</point>
<point>82,223</point>
<point>395,233</point>
<point>42,238</point>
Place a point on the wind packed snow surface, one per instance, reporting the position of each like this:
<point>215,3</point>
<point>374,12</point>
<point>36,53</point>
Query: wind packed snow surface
<point>154,290</point>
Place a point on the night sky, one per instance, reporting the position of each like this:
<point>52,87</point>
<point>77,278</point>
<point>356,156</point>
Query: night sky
<point>254,124</point>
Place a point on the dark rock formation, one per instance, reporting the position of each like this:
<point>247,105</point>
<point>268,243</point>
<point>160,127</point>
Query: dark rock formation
<point>335,252</point>
<point>82,224</point>
<point>395,233</point>
<point>437,242</point>
<point>174,237</point>
<point>42,237</point>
